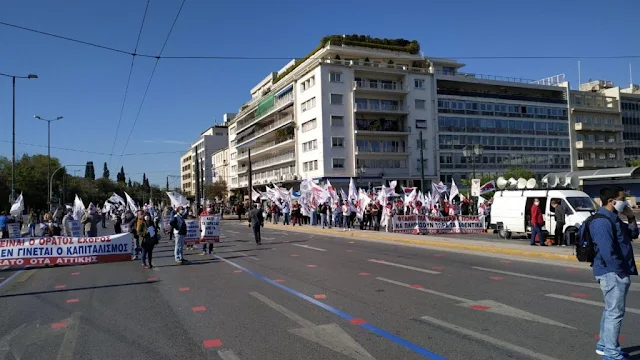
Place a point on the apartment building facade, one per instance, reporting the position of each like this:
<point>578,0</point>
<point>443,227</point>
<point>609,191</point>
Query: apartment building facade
<point>209,141</point>
<point>186,173</point>
<point>630,108</point>
<point>220,165</point>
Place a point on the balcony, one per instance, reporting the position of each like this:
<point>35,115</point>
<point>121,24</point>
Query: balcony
<point>288,140</point>
<point>380,128</point>
<point>378,86</point>
<point>595,102</point>
<point>600,163</point>
<point>262,131</point>
<point>278,103</point>
<point>380,67</point>
<point>379,108</point>
<point>598,127</point>
<point>599,145</point>
<point>275,160</point>
<point>378,150</point>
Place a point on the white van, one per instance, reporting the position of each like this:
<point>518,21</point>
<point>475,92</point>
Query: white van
<point>511,210</point>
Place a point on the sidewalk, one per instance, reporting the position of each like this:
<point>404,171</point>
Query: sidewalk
<point>453,241</point>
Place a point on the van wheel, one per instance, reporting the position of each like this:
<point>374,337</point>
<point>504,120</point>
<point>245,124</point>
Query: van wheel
<point>504,234</point>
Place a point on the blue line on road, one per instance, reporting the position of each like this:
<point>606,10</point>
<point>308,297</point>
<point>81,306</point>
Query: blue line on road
<point>396,339</point>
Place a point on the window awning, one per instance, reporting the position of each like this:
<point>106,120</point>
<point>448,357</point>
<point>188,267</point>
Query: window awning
<point>284,91</point>
<point>612,173</point>
<point>244,146</point>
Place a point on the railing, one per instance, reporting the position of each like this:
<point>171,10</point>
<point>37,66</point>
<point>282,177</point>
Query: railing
<point>581,144</point>
<point>381,149</point>
<point>380,107</point>
<point>489,77</point>
<point>598,127</point>
<point>376,85</point>
<point>592,101</point>
<point>265,129</point>
<point>362,63</point>
<point>278,102</point>
<point>260,148</point>
<point>600,163</point>
<point>382,127</point>
<point>274,160</point>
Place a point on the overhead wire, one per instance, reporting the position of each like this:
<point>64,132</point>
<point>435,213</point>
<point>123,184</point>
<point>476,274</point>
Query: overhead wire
<point>153,71</point>
<point>126,89</point>
<point>94,152</point>
<point>234,57</point>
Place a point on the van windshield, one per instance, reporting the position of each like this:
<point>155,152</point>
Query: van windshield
<point>581,203</point>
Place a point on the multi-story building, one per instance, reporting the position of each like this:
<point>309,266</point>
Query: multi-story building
<point>220,166</point>
<point>515,122</point>
<point>210,141</point>
<point>630,105</point>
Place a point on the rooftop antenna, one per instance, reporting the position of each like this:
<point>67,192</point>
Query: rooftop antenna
<point>630,77</point>
<point>579,75</point>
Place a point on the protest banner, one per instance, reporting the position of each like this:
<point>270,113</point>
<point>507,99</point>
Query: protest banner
<point>14,230</point>
<point>193,232</point>
<point>423,224</point>
<point>210,228</point>
<point>75,227</point>
<point>166,223</point>
<point>62,250</point>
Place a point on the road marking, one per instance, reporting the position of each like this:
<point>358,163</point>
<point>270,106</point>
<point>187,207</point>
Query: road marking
<point>364,274</point>
<point>486,305</point>
<point>212,343</point>
<point>580,295</point>
<point>587,285</point>
<point>75,273</point>
<point>279,280</point>
<point>245,255</point>
<point>488,339</point>
<point>70,336</point>
<point>183,289</point>
<point>312,266</point>
<point>60,286</point>
<point>237,271</point>
<point>404,266</point>
<point>589,302</point>
<point>329,335</point>
<point>152,279</point>
<point>268,238</point>
<point>496,278</point>
<point>309,247</point>
<point>58,325</point>
<point>320,296</point>
<point>198,309</point>
<point>375,330</point>
<point>25,276</point>
<point>16,274</point>
<point>294,255</point>
<point>72,301</point>
<point>227,354</point>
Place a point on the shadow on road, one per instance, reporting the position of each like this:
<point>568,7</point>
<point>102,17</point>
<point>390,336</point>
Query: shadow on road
<point>632,349</point>
<point>76,289</point>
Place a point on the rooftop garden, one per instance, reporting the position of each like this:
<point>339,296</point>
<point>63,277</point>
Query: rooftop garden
<point>400,45</point>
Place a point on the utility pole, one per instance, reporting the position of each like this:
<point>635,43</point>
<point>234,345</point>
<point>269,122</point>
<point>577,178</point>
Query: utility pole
<point>49,121</point>
<point>421,164</point>
<point>197,174</point>
<point>250,183</point>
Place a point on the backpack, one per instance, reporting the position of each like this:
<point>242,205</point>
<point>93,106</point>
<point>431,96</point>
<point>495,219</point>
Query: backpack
<point>585,247</point>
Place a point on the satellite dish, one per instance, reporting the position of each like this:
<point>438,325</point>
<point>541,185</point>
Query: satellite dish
<point>501,183</point>
<point>513,183</point>
<point>550,181</point>
<point>522,183</point>
<point>531,183</point>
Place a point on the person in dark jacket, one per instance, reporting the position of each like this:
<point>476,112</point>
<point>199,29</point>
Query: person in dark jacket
<point>148,239</point>
<point>559,215</point>
<point>257,221</point>
<point>613,265</point>
<point>180,231</point>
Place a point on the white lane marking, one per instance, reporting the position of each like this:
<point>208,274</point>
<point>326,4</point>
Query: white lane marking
<point>404,266</point>
<point>245,255</point>
<point>70,336</point>
<point>309,247</point>
<point>428,291</point>
<point>634,287</point>
<point>588,302</point>
<point>6,281</point>
<point>268,238</point>
<point>227,354</point>
<point>284,311</point>
<point>491,306</point>
<point>488,339</point>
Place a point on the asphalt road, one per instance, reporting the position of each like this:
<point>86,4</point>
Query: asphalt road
<point>310,297</point>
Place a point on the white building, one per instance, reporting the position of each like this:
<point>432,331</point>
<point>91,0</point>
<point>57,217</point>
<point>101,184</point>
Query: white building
<point>210,141</point>
<point>220,166</point>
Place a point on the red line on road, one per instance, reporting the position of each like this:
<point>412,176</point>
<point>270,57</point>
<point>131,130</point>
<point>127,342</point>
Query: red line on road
<point>183,289</point>
<point>312,266</point>
<point>349,250</point>
<point>72,301</point>
<point>279,280</point>
<point>237,271</point>
<point>320,296</point>
<point>75,273</point>
<point>437,267</point>
<point>212,343</point>
<point>60,286</point>
<point>497,278</point>
<point>572,270</point>
<point>58,325</point>
<point>480,307</point>
<point>152,279</point>
<point>364,274</point>
<point>294,255</point>
<point>198,308</point>
<point>357,321</point>
<point>579,295</point>
<point>416,286</point>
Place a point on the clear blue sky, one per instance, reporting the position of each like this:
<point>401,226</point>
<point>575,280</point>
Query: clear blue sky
<point>86,85</point>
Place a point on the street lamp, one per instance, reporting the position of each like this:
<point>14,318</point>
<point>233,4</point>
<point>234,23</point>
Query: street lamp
<point>13,141</point>
<point>49,121</point>
<point>471,152</point>
<point>51,181</point>
<point>360,171</point>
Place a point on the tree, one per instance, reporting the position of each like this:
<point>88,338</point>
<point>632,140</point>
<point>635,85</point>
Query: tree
<point>634,162</point>
<point>216,191</point>
<point>89,172</point>
<point>518,172</point>
<point>31,179</point>
<point>145,182</point>
<point>130,182</point>
<point>105,171</point>
<point>121,176</point>
<point>167,187</point>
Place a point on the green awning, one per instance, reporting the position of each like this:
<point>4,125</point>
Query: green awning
<point>265,105</point>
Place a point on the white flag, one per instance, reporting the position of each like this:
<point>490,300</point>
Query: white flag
<point>353,190</point>
<point>454,190</point>
<point>78,208</point>
<point>130,203</point>
<point>17,207</point>
<point>176,199</point>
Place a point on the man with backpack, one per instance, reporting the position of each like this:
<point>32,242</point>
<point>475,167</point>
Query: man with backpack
<point>605,241</point>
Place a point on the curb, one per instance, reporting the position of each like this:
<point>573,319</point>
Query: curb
<point>434,243</point>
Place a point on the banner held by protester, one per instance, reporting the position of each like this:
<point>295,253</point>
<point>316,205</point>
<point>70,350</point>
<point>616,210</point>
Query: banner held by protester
<point>210,228</point>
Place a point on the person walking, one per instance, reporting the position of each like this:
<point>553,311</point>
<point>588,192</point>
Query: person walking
<point>559,215</point>
<point>148,239</point>
<point>613,265</point>
<point>90,221</point>
<point>32,221</point>
<point>66,223</point>
<point>286,211</point>
<point>536,223</point>
<point>346,216</point>
<point>257,221</point>
<point>180,231</point>
<point>209,211</point>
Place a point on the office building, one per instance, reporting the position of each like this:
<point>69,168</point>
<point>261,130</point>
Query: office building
<point>220,166</point>
<point>186,173</point>
<point>630,106</point>
<point>209,141</point>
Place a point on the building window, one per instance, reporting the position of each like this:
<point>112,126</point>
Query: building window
<point>338,163</point>
<point>337,120</point>
<point>335,77</point>
<point>309,125</point>
<point>419,83</point>
<point>305,85</point>
<point>420,104</point>
<point>309,104</point>
<point>421,124</point>
<point>336,99</point>
<point>337,141</point>
<point>309,145</point>
<point>310,165</point>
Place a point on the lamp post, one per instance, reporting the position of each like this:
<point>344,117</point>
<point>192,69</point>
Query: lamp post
<point>13,141</point>
<point>471,152</point>
<point>51,181</point>
<point>49,121</point>
<point>360,171</point>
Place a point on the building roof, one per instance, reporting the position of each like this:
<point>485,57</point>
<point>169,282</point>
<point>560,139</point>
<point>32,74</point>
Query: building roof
<point>627,172</point>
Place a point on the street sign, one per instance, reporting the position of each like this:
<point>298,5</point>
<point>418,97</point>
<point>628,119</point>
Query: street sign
<point>475,187</point>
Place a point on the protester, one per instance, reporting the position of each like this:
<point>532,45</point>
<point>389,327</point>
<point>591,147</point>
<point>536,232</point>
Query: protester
<point>559,214</point>
<point>149,238</point>
<point>32,221</point>
<point>180,231</point>
<point>613,265</point>
<point>90,221</point>
<point>209,211</point>
<point>256,222</point>
<point>286,211</point>
<point>346,216</point>
<point>536,223</point>
<point>66,222</point>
